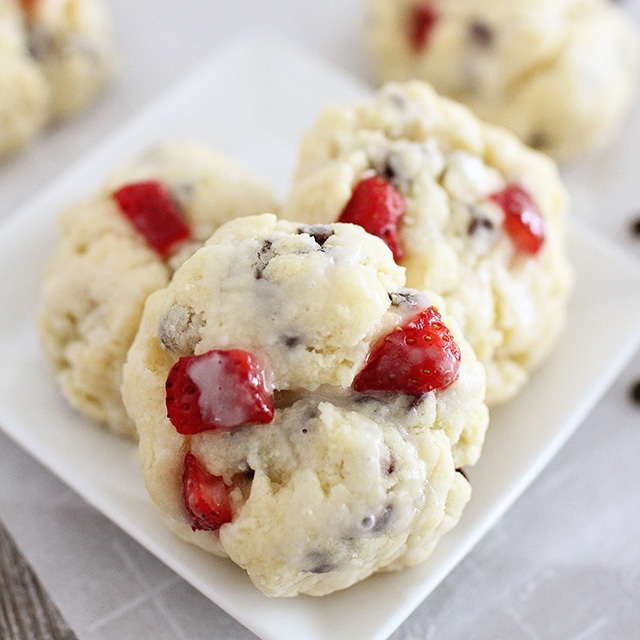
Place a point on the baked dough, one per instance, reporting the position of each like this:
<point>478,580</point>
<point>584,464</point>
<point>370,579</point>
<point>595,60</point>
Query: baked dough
<point>337,483</point>
<point>103,269</point>
<point>561,74</point>
<point>57,56</point>
<point>450,169</point>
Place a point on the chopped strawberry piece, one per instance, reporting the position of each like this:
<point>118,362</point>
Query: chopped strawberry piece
<point>378,207</point>
<point>219,389</point>
<point>422,20</point>
<point>523,221</point>
<point>152,212</point>
<point>206,497</point>
<point>417,356</point>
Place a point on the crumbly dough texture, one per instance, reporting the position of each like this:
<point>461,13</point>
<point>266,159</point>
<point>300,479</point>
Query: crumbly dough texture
<point>57,56</point>
<point>339,485</point>
<point>561,74</point>
<point>446,163</point>
<point>102,271</point>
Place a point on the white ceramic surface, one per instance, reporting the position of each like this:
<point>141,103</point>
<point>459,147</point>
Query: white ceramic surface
<point>247,102</point>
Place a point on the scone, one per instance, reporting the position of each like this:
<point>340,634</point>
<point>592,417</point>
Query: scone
<point>473,214</point>
<point>560,73</point>
<point>117,248</point>
<point>299,410</point>
<point>57,55</point>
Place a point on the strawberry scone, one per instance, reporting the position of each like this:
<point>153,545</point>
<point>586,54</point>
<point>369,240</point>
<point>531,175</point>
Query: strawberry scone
<point>470,212</point>
<point>121,245</point>
<point>299,410</point>
<point>57,56</point>
<point>561,74</point>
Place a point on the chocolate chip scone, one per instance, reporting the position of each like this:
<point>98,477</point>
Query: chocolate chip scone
<point>470,212</point>
<point>561,74</point>
<point>299,410</point>
<point>57,56</point>
<point>117,248</point>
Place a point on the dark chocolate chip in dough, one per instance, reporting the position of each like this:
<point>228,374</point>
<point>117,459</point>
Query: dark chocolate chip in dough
<point>319,232</point>
<point>479,223</point>
<point>291,341</point>
<point>39,43</point>
<point>481,34</point>
<point>463,473</point>
<point>539,140</point>
<point>320,562</point>
<point>403,298</point>
<point>383,520</point>
<point>389,168</point>
<point>264,255</point>
<point>179,330</point>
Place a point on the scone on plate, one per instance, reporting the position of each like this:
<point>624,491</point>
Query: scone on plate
<point>471,213</point>
<point>561,74</point>
<point>121,245</point>
<point>56,57</point>
<point>300,410</point>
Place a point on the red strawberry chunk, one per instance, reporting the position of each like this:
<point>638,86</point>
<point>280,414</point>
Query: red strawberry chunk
<point>523,221</point>
<point>152,212</point>
<point>422,20</point>
<point>219,389</point>
<point>378,207</point>
<point>206,496</point>
<point>416,357</point>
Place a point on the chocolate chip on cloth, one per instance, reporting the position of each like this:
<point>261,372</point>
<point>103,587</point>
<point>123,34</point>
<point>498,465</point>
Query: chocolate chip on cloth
<point>312,424</point>
<point>634,392</point>
<point>634,226</point>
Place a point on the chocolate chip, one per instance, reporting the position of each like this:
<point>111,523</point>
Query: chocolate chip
<point>376,522</point>
<point>383,520</point>
<point>291,341</point>
<point>415,400</point>
<point>481,34</point>
<point>634,226</point>
<point>283,398</point>
<point>264,255</point>
<point>478,223</point>
<point>249,473</point>
<point>539,140</point>
<point>320,562</point>
<point>311,414</point>
<point>391,467</point>
<point>182,193</point>
<point>403,298</point>
<point>388,171</point>
<point>634,392</point>
<point>40,42</point>
<point>319,232</point>
<point>392,167</point>
<point>179,330</point>
<point>398,100</point>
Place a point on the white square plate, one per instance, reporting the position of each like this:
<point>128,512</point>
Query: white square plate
<point>252,102</point>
